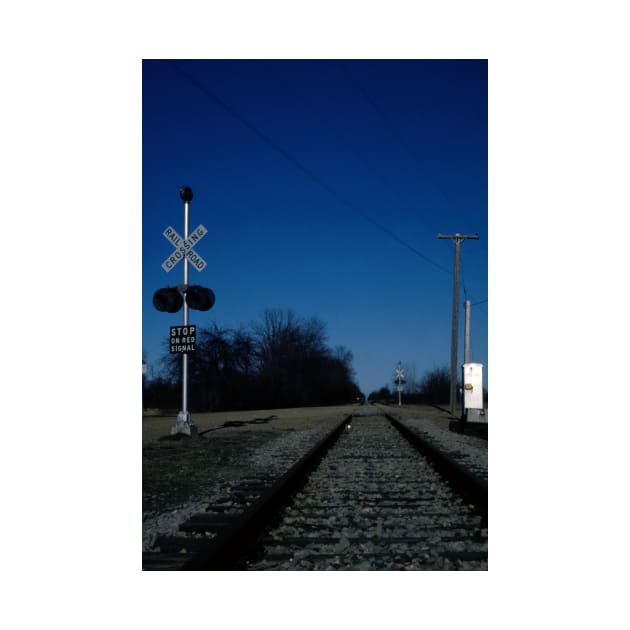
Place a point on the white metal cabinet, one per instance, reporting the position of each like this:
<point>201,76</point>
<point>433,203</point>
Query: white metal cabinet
<point>473,385</point>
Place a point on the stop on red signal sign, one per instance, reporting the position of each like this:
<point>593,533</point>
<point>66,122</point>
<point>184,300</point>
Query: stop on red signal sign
<point>183,339</point>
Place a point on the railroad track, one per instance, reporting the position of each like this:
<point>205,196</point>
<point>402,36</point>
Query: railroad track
<point>214,539</point>
<point>363,498</point>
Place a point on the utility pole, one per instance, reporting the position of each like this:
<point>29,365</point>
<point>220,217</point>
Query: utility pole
<point>467,332</point>
<point>458,238</point>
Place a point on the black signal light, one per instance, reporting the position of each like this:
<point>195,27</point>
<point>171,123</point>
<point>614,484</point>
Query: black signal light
<point>168,300</point>
<point>199,298</point>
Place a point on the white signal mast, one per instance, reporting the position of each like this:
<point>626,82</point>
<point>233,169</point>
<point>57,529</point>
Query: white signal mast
<point>400,381</point>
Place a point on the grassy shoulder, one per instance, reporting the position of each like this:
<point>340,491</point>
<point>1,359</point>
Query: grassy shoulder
<point>175,471</point>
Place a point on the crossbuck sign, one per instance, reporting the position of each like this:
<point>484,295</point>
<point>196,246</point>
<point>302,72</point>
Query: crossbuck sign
<point>400,376</point>
<point>184,248</point>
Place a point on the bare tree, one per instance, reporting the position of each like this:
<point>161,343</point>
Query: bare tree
<point>281,360</point>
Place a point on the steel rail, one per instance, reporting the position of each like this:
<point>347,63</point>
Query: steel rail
<point>223,552</point>
<point>472,488</point>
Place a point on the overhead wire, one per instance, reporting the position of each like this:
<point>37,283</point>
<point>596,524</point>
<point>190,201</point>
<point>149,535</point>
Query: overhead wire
<point>384,119</point>
<point>461,268</point>
<point>481,306</point>
<point>298,164</point>
<point>338,136</point>
<point>403,143</point>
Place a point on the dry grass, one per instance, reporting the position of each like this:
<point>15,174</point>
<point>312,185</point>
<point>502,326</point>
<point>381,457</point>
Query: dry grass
<point>154,427</point>
<point>436,414</point>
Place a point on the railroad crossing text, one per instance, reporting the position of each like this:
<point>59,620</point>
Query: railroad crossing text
<point>184,248</point>
<point>183,339</point>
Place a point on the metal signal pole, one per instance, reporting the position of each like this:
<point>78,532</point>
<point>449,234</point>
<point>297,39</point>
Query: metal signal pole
<point>458,238</point>
<point>183,339</point>
<point>183,418</point>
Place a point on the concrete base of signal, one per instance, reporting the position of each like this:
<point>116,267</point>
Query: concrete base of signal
<point>185,429</point>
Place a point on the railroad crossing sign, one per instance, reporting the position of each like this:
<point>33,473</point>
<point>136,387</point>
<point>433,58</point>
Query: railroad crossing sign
<point>400,378</point>
<point>184,248</point>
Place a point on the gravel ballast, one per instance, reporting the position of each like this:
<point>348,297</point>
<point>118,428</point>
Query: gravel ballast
<point>214,464</point>
<point>375,504</point>
<point>218,474</point>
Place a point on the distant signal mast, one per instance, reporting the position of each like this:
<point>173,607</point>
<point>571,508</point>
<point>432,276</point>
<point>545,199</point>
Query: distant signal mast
<point>400,381</point>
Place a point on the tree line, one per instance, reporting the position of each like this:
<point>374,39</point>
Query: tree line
<point>281,360</point>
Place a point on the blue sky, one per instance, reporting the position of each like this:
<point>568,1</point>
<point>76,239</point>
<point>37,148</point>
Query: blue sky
<point>323,186</point>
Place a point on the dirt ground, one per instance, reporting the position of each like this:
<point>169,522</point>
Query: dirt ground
<point>156,426</point>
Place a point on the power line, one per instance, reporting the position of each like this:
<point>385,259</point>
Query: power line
<point>402,142</point>
<point>329,189</point>
<point>397,135</point>
<point>463,280</point>
<point>338,136</point>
